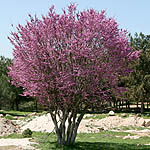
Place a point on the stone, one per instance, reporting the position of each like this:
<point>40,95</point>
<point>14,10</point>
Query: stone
<point>131,137</point>
<point>111,113</point>
<point>123,115</point>
<point>100,128</point>
<point>131,115</point>
<point>140,121</point>
<point>87,116</point>
<point>138,115</point>
<point>7,127</point>
<point>147,123</point>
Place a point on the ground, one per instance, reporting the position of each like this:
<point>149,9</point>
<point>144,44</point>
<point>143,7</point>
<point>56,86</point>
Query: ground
<point>99,128</point>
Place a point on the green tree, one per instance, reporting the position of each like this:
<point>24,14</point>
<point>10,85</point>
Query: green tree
<point>9,94</point>
<point>138,82</point>
<point>5,92</point>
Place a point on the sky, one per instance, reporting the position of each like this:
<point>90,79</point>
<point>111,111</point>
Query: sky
<point>132,15</point>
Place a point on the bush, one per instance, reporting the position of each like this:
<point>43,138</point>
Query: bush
<point>27,133</point>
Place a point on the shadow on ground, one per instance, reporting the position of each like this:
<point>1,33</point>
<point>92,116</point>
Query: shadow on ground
<point>97,146</point>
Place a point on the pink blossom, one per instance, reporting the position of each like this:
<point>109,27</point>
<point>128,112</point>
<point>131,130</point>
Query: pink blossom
<point>71,59</point>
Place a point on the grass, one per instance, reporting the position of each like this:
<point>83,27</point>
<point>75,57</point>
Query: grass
<point>124,128</point>
<point>101,116</point>
<point>12,136</point>
<point>96,116</point>
<point>105,140</point>
<point>14,113</point>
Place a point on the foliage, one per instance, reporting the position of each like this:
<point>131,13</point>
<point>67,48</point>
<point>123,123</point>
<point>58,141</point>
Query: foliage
<point>138,82</point>
<point>6,92</point>
<point>10,96</point>
<point>70,63</point>
<point>27,133</point>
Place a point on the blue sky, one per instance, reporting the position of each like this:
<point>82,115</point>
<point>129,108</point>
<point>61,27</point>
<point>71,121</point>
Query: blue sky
<point>133,15</point>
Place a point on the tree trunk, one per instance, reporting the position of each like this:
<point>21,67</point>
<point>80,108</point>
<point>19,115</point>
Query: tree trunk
<point>17,105</point>
<point>35,105</point>
<point>137,104</point>
<point>66,135</point>
<point>142,107</point>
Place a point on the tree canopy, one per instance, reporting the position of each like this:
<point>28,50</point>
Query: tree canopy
<point>69,62</point>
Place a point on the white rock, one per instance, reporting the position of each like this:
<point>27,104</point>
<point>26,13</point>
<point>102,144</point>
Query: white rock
<point>147,123</point>
<point>111,113</point>
<point>140,121</point>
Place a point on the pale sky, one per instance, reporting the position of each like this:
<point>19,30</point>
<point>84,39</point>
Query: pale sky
<point>132,15</point>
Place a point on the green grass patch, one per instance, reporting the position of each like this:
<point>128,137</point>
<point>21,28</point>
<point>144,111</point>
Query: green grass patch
<point>14,113</point>
<point>124,128</point>
<point>105,140</point>
<point>12,136</point>
<point>96,116</point>
<point>146,115</point>
<point>9,117</point>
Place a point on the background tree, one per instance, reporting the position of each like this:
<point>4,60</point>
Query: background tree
<point>10,96</point>
<point>6,94</point>
<point>69,62</point>
<point>138,82</point>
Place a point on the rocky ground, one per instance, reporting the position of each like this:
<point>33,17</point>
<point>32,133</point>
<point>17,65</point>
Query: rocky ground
<point>44,123</point>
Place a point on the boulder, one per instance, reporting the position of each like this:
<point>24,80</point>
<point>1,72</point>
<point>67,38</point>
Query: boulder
<point>123,115</point>
<point>8,127</point>
<point>131,115</point>
<point>140,121</point>
<point>111,113</point>
<point>32,114</point>
<point>7,115</point>
<point>138,115</point>
<point>147,123</point>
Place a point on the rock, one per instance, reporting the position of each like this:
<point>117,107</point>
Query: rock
<point>87,116</point>
<point>131,137</point>
<point>140,121</point>
<point>138,115</point>
<point>7,127</point>
<point>131,115</point>
<point>111,113</point>
<point>15,118</point>
<point>147,123</point>
<point>123,115</point>
<point>100,128</point>
<point>32,114</point>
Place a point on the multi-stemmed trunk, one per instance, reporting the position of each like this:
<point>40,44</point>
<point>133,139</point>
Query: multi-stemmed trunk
<point>66,126</point>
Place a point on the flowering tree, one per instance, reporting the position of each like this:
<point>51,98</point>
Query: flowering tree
<point>69,62</point>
